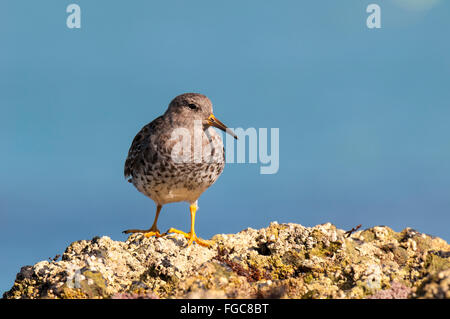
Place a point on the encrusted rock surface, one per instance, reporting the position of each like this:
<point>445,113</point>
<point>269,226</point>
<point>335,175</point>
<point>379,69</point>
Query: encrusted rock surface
<point>280,261</point>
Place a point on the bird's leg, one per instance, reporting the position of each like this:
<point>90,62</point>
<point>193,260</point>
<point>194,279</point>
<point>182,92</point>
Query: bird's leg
<point>191,235</point>
<point>153,231</point>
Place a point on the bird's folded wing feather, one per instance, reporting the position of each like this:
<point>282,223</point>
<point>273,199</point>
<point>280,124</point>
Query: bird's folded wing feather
<point>141,148</point>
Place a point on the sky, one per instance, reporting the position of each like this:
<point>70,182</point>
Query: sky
<point>362,115</point>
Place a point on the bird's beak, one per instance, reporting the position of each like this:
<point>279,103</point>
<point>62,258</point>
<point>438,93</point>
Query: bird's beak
<point>213,121</point>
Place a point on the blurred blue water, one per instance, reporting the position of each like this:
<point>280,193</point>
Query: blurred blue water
<point>363,115</point>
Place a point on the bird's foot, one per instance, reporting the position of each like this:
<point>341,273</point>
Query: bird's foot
<point>147,232</point>
<point>191,236</point>
<point>152,233</point>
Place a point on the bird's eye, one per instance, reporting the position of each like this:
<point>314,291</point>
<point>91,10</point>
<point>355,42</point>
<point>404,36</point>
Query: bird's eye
<point>192,106</point>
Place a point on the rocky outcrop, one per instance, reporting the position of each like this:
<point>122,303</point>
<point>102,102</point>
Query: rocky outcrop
<point>280,261</point>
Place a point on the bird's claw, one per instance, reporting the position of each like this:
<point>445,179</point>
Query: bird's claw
<point>147,233</point>
<point>192,237</point>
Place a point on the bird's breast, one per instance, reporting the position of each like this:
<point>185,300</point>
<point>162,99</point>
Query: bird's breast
<point>173,178</point>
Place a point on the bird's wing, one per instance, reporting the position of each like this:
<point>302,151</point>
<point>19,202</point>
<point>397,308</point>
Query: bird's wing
<point>141,147</point>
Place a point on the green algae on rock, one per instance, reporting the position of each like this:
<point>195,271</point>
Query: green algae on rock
<point>279,261</point>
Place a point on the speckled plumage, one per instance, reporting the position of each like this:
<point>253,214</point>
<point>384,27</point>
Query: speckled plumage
<point>150,164</point>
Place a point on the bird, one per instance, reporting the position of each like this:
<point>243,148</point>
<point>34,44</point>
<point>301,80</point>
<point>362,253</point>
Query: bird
<point>176,157</point>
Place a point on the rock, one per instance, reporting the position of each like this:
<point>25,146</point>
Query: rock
<point>436,285</point>
<point>397,291</point>
<point>280,261</point>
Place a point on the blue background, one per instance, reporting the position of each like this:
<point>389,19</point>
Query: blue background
<point>363,115</point>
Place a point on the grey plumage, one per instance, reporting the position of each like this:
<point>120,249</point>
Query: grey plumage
<point>150,164</point>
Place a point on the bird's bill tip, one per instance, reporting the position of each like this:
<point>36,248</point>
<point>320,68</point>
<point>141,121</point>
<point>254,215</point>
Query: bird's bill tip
<point>213,121</point>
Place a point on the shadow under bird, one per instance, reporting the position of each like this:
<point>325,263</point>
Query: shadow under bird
<point>155,169</point>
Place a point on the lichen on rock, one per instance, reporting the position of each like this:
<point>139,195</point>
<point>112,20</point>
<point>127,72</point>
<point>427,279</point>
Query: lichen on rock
<point>279,261</point>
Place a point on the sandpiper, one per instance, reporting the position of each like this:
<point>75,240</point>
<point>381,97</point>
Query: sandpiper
<point>159,166</point>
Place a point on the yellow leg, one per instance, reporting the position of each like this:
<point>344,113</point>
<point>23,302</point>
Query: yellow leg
<point>152,231</point>
<point>191,235</point>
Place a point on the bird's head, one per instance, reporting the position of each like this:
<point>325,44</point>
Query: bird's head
<point>189,107</point>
